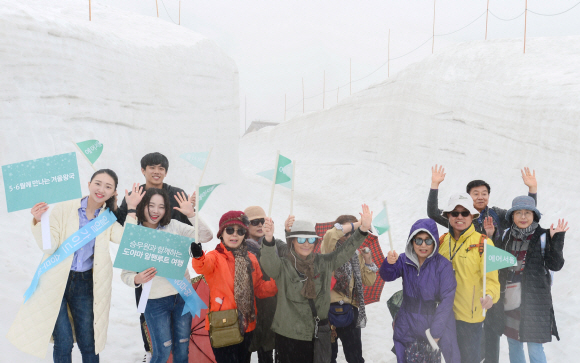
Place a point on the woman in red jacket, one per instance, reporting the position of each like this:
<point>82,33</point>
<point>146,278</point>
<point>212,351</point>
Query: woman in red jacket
<point>235,279</point>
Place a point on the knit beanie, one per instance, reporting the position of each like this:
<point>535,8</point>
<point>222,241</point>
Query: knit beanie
<point>231,218</point>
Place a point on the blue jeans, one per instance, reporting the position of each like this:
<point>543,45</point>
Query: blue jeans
<point>469,340</point>
<point>78,295</point>
<point>535,352</point>
<point>168,329</point>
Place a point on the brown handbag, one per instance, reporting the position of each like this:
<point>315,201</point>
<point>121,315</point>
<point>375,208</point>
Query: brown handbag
<point>224,328</point>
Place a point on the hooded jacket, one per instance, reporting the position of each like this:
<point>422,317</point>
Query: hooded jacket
<point>428,296</point>
<point>218,267</point>
<point>468,266</point>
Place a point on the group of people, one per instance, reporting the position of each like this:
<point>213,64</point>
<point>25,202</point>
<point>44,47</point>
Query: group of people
<point>270,295</point>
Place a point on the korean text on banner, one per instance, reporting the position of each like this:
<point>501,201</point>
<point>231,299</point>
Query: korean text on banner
<point>142,248</point>
<point>91,148</point>
<point>496,259</point>
<point>51,180</point>
<point>204,193</point>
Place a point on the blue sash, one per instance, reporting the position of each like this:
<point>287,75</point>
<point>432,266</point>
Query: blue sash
<point>78,239</point>
<point>193,303</point>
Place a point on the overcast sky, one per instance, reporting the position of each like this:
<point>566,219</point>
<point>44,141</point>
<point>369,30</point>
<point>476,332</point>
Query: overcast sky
<point>277,43</point>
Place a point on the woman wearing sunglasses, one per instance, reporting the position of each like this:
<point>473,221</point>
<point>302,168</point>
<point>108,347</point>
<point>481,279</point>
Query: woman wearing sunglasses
<point>463,246</point>
<point>163,312</point>
<point>235,279</point>
<point>425,318</point>
<point>303,279</point>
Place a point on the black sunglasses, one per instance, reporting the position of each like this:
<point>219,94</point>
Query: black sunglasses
<point>419,241</point>
<point>239,231</point>
<point>455,214</point>
<point>257,222</point>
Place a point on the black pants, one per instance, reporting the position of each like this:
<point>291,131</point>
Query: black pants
<point>490,344</point>
<point>293,351</point>
<point>350,336</point>
<point>263,356</point>
<point>236,353</point>
<point>142,320</point>
<point>469,340</point>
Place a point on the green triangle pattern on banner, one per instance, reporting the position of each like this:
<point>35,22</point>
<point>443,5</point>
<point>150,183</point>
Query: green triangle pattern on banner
<point>381,222</point>
<point>204,193</point>
<point>91,148</point>
<point>196,159</point>
<point>284,173</point>
<point>498,259</point>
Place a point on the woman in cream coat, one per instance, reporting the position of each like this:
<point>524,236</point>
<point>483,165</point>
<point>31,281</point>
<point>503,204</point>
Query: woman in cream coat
<point>36,320</point>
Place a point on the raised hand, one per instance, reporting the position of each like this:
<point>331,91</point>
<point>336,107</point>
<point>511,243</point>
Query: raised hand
<point>488,226</point>
<point>367,256</point>
<point>186,206</point>
<point>268,229</point>
<point>437,176</point>
<point>392,257</point>
<point>562,227</point>
<point>145,276</point>
<point>289,222</point>
<point>366,218</point>
<point>38,210</point>
<point>530,179</point>
<point>134,198</point>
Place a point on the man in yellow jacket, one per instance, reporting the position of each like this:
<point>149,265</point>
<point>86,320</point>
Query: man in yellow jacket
<point>462,247</point>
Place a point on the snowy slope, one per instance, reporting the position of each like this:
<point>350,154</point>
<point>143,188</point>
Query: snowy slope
<point>482,109</point>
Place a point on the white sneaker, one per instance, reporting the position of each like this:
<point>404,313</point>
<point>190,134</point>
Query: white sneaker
<point>147,357</point>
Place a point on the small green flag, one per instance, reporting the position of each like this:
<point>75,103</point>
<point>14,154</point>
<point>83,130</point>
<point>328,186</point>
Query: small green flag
<point>381,222</point>
<point>498,259</point>
<point>284,174</point>
<point>204,193</point>
<point>197,159</point>
<point>91,148</point>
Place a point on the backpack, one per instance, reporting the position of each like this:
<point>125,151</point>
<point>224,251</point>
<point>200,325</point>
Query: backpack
<point>481,243</point>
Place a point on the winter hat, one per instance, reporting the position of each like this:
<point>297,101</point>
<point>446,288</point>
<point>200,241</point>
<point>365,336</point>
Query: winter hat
<point>462,199</point>
<point>303,229</point>
<point>523,202</point>
<point>231,218</point>
<point>255,212</point>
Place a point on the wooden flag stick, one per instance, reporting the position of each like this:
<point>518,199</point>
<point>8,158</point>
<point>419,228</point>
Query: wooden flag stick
<point>157,6</point>
<point>284,107</point>
<point>197,195</point>
<point>433,43</point>
<point>484,272</point>
<point>302,94</point>
<point>87,159</point>
<point>179,12</point>
<point>525,25</point>
<point>89,10</point>
<point>389,223</point>
<point>273,183</point>
<point>292,191</point>
<point>350,75</point>
<point>389,56</point>
<point>486,18</point>
<point>323,88</point>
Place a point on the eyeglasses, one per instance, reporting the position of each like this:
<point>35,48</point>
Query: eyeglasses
<point>239,231</point>
<point>455,214</point>
<point>310,240</point>
<point>419,241</point>
<point>257,222</point>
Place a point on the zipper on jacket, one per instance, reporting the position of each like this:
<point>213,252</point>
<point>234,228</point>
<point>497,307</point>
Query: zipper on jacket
<point>472,301</point>
<point>418,268</point>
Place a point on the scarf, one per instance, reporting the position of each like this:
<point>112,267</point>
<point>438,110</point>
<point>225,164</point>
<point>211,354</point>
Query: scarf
<point>243,286</point>
<point>522,234</point>
<point>304,267</point>
<point>343,275</point>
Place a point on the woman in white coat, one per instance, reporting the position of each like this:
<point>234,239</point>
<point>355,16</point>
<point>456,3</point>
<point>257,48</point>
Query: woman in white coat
<point>79,285</point>
<point>169,329</point>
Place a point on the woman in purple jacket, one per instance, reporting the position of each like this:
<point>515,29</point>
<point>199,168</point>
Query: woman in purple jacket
<point>426,314</point>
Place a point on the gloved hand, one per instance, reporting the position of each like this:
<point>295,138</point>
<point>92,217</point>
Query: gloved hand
<point>195,250</point>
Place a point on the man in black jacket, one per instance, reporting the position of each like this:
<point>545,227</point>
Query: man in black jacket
<point>154,167</point>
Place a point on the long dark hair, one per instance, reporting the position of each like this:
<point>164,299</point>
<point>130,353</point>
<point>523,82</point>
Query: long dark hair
<point>110,203</point>
<point>145,204</point>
